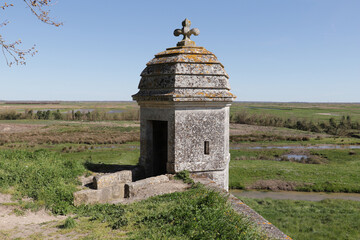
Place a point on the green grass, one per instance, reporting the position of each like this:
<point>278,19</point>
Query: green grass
<point>42,175</point>
<point>50,179</point>
<point>123,155</point>
<point>302,220</point>
<point>195,214</point>
<point>340,173</point>
<point>50,176</point>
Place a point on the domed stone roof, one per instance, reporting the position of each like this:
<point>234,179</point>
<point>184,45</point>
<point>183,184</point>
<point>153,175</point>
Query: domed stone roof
<point>184,73</point>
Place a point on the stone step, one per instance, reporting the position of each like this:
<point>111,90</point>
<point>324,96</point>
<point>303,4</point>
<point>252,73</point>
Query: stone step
<point>135,188</point>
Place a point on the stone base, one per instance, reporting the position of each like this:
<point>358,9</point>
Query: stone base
<point>104,195</point>
<point>221,178</point>
<point>108,187</point>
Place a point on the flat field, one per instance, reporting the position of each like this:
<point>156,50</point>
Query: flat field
<point>324,220</point>
<point>308,111</point>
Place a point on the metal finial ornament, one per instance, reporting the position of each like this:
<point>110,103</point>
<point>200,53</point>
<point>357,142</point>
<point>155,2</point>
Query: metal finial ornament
<point>187,33</point>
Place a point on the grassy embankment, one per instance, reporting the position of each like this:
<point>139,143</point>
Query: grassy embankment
<point>50,179</point>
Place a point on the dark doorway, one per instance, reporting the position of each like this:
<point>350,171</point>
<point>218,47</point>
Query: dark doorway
<point>160,147</point>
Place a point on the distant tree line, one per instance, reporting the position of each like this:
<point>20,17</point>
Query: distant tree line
<point>343,127</point>
<point>72,115</point>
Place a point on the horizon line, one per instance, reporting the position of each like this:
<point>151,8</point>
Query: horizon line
<point>57,101</point>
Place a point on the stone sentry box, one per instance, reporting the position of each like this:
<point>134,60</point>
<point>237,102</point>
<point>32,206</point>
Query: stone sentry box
<point>184,101</point>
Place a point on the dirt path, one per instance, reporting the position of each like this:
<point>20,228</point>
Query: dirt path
<point>16,223</point>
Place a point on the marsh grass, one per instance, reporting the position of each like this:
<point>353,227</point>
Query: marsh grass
<point>338,173</point>
<point>324,220</point>
<point>334,119</point>
<point>70,133</point>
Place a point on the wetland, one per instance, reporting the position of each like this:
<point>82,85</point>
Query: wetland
<point>276,167</point>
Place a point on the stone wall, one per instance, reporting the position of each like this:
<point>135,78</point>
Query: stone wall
<point>192,128</point>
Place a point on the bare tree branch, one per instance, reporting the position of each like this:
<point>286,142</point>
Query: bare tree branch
<point>11,51</point>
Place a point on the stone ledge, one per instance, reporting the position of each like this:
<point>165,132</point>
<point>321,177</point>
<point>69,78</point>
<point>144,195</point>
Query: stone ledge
<point>132,189</point>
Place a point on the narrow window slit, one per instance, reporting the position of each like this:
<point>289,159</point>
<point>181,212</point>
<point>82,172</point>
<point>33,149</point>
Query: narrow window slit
<point>206,147</point>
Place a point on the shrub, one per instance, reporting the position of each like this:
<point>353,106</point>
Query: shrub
<point>69,223</point>
<point>185,176</point>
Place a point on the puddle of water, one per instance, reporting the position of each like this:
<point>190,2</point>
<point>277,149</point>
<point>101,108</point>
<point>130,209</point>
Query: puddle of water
<point>44,110</point>
<point>296,157</point>
<point>297,147</point>
<point>328,114</point>
<point>91,110</point>
<point>133,147</point>
<point>115,111</point>
<point>270,108</point>
<point>105,147</point>
<point>304,196</point>
<point>81,110</point>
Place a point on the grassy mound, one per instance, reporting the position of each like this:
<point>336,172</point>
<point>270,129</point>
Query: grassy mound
<point>42,175</point>
<point>195,214</point>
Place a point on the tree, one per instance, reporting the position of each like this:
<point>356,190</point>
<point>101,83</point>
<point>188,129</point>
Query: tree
<point>12,52</point>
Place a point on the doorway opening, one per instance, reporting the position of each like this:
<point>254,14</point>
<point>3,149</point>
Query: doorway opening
<point>160,147</point>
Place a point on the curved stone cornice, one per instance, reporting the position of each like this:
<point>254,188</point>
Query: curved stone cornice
<point>184,74</point>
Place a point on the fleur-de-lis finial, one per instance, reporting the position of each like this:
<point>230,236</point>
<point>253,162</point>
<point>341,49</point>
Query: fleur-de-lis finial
<point>187,33</point>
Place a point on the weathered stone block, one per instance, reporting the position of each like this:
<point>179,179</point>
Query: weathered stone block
<point>92,196</point>
<point>132,189</point>
<point>112,179</point>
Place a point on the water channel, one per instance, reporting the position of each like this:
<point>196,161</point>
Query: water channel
<point>236,147</point>
<point>292,195</point>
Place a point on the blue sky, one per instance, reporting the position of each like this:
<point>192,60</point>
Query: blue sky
<point>273,50</point>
